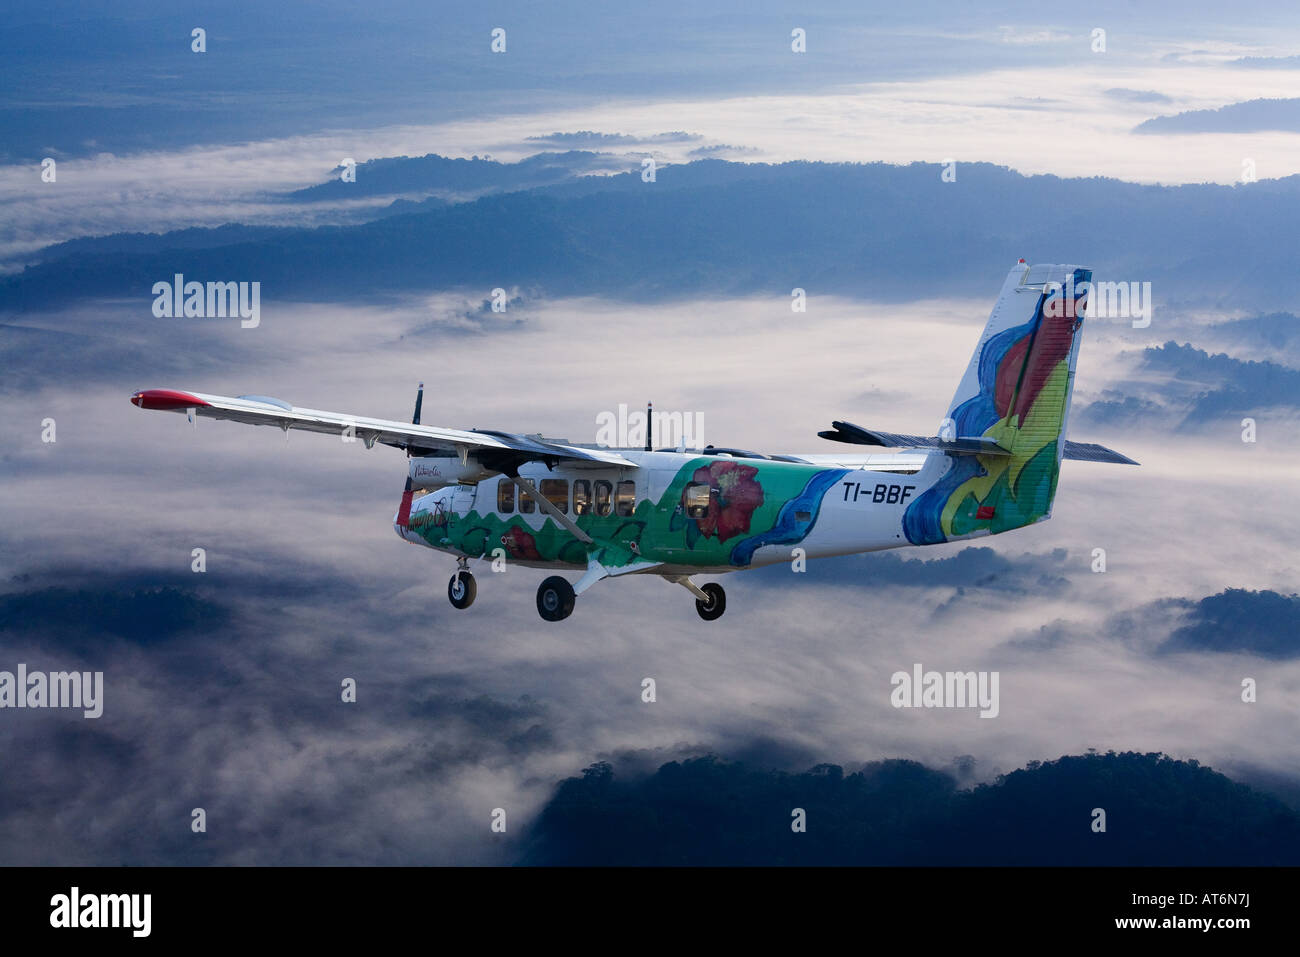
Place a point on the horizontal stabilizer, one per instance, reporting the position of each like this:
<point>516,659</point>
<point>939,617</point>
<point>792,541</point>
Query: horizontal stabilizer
<point>966,445</point>
<point>1088,452</point>
<point>962,445</point>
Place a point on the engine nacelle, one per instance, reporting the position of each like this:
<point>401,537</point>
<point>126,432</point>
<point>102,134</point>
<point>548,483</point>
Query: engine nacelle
<point>438,471</point>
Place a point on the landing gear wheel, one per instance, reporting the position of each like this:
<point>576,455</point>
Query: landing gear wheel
<point>555,599</point>
<point>461,590</point>
<point>712,609</point>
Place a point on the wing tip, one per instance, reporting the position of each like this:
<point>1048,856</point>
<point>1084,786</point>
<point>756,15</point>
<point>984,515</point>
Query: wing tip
<point>167,400</point>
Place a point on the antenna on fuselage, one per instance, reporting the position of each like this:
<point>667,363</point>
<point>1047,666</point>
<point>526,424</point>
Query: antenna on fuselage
<point>415,420</point>
<point>649,423</point>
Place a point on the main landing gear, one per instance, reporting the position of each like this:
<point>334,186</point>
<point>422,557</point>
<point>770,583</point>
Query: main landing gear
<point>555,598</point>
<point>462,590</point>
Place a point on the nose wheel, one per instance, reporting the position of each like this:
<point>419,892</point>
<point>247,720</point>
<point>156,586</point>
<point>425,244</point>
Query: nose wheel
<point>555,598</point>
<point>710,599</point>
<point>713,604</point>
<point>461,590</point>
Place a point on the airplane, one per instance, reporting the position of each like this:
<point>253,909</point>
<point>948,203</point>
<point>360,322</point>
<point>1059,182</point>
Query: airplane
<point>609,512</point>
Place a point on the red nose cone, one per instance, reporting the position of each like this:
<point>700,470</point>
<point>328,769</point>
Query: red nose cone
<point>166,400</point>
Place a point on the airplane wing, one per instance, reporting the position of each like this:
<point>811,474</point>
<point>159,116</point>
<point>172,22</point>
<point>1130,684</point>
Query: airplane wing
<point>492,448</point>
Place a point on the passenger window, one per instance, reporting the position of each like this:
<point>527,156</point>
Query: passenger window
<point>556,491</point>
<point>581,497</point>
<point>505,496</point>
<point>604,497</point>
<point>696,500</point>
<point>526,504</point>
<point>625,501</point>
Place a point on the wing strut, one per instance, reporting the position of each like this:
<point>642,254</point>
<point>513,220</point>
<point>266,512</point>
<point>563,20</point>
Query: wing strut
<point>545,505</point>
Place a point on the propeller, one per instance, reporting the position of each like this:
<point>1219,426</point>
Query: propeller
<point>404,510</point>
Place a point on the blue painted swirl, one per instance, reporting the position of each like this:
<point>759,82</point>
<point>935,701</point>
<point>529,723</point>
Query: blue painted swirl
<point>788,527</point>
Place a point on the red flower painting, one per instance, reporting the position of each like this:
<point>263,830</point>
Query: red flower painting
<point>733,496</point>
<point>520,544</point>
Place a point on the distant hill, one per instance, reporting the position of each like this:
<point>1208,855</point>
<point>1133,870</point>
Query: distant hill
<point>1252,116</point>
<point>707,811</point>
<point>717,228</point>
<point>436,175</point>
<point>146,616</point>
<point>1193,389</point>
<point>1263,623</point>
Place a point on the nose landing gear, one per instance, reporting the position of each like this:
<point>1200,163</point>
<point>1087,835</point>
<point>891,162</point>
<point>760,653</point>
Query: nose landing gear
<point>462,590</point>
<point>710,599</point>
<point>712,607</point>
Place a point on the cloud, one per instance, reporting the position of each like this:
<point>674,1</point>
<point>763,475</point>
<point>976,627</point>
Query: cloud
<point>1020,35</point>
<point>237,714</point>
<point>588,138</point>
<point>1273,335</point>
<point>1138,96</point>
<point>459,713</point>
<point>974,567</point>
<point>721,149</point>
<point>1269,62</point>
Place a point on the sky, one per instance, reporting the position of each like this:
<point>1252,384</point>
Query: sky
<point>223,687</point>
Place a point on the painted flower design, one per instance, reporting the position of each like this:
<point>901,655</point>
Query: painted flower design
<point>733,497</point>
<point>520,544</point>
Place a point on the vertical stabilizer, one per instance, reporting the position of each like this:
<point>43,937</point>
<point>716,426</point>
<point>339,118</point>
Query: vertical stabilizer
<point>1016,391</point>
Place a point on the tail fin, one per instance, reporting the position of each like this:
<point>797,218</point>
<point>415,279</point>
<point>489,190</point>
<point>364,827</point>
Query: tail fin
<point>1016,391</point>
<point>1032,328</point>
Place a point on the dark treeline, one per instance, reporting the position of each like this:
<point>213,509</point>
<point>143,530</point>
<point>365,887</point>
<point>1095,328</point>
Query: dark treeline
<point>1159,811</point>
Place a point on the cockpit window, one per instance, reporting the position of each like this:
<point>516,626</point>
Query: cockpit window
<point>695,499</point>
